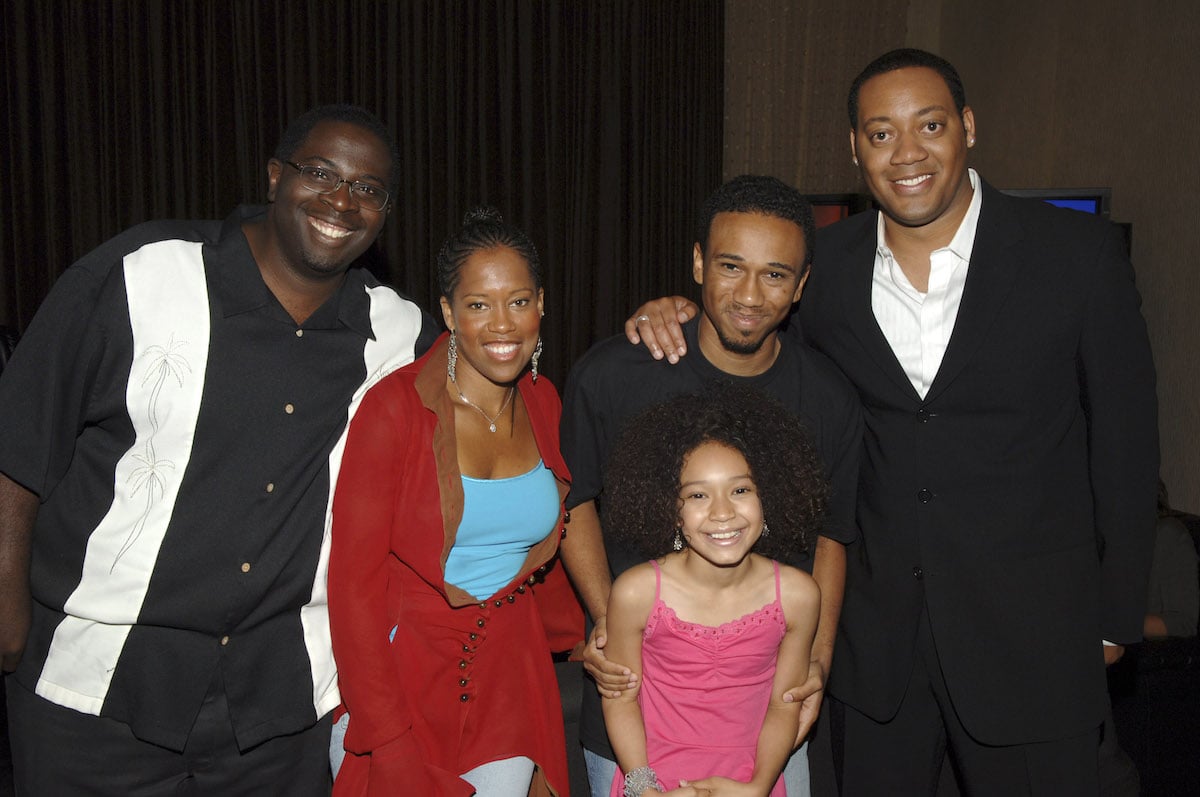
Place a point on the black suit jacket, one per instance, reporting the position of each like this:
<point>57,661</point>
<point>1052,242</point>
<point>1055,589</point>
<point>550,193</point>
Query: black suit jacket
<point>1016,501</point>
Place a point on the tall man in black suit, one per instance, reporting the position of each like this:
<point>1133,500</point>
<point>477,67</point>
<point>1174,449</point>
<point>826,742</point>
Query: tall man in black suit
<point>1006,491</point>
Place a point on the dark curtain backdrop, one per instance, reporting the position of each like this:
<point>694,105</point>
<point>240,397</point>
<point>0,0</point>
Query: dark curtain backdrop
<point>596,126</point>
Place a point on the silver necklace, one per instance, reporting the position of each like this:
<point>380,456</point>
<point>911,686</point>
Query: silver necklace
<point>491,421</point>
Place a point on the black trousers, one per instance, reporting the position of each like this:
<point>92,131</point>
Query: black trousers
<point>58,751</point>
<point>905,754</point>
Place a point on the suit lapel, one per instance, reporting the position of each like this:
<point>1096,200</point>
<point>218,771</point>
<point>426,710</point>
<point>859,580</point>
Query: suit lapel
<point>860,317</point>
<point>993,271</point>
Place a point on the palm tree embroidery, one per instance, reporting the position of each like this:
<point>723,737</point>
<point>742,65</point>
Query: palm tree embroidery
<point>151,475</point>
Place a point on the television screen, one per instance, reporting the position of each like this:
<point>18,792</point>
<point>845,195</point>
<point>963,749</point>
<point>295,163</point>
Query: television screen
<point>1095,201</point>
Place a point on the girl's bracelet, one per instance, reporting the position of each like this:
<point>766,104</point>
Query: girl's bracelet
<point>640,779</point>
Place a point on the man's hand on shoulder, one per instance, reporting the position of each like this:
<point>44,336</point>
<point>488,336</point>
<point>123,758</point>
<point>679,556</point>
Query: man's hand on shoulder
<point>657,323</point>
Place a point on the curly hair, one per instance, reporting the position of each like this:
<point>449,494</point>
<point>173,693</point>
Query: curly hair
<point>640,507</point>
<point>482,228</point>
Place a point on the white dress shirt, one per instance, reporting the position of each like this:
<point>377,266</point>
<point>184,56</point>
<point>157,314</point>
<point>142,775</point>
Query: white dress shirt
<point>918,325</point>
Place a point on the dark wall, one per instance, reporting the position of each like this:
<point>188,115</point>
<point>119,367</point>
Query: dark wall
<point>1069,94</point>
<point>594,125</point>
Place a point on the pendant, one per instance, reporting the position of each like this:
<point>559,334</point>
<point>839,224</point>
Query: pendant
<point>492,428</point>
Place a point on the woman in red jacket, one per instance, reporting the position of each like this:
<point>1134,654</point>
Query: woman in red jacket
<point>447,514</point>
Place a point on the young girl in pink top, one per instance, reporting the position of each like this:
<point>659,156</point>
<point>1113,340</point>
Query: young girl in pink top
<point>712,487</point>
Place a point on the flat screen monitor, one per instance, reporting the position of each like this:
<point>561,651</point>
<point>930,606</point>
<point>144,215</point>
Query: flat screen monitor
<point>1095,201</point>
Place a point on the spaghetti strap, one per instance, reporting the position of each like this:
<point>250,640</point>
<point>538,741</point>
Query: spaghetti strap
<point>778,592</point>
<point>658,579</point>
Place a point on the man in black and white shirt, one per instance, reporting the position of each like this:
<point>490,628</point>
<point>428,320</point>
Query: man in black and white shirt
<point>174,421</point>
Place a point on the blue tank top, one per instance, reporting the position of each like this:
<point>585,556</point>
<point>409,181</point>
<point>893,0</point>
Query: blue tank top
<point>502,519</point>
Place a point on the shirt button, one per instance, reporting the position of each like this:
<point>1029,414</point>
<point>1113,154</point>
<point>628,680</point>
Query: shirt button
<point>466,649</point>
<point>462,665</point>
<point>270,487</point>
<point>224,641</point>
<point>923,416</point>
<point>464,698</point>
<point>918,573</point>
<point>473,636</point>
<point>480,622</point>
<point>245,567</point>
<point>299,333</point>
<point>924,496</point>
<point>462,681</point>
<point>289,408</point>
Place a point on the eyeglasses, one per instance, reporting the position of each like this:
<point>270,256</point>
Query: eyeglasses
<point>320,180</point>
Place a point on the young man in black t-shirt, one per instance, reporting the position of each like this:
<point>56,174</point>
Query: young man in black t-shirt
<point>751,260</point>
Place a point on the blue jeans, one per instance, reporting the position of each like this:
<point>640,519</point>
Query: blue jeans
<point>506,776</point>
<point>601,771</point>
<point>336,751</point>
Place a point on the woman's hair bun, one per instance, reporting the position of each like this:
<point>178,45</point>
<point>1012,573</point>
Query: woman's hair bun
<point>482,215</point>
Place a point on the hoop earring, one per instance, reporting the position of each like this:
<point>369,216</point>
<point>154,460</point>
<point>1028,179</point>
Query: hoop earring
<point>537,352</point>
<point>452,356</point>
<point>677,545</point>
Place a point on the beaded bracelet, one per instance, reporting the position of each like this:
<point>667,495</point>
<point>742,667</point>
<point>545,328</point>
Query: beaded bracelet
<point>640,779</point>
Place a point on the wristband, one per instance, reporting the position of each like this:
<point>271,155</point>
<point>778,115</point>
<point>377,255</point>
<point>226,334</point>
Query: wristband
<point>640,779</point>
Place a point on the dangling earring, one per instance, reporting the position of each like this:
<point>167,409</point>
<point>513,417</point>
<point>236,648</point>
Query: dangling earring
<point>452,356</point>
<point>766,530</point>
<point>677,545</point>
<point>537,352</point>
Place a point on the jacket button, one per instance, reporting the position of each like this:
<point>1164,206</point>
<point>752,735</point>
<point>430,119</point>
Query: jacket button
<point>462,665</point>
<point>480,622</point>
<point>924,496</point>
<point>923,416</point>
<point>473,636</point>
<point>462,681</point>
<point>510,598</point>
<point>918,573</point>
<point>464,698</point>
